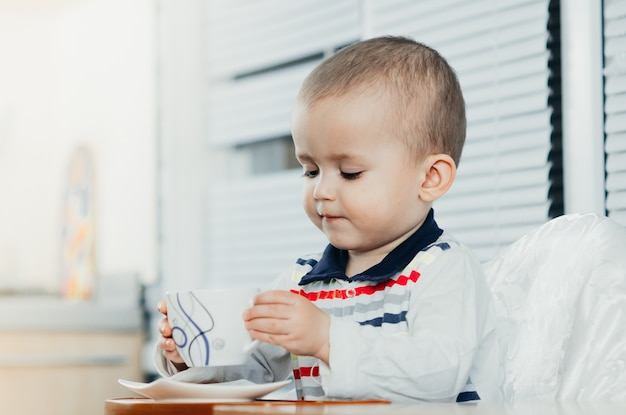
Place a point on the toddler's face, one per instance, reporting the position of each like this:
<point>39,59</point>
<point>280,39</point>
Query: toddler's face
<point>361,185</point>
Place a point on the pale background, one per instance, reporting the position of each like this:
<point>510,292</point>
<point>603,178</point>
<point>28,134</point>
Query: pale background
<point>128,79</point>
<point>76,73</point>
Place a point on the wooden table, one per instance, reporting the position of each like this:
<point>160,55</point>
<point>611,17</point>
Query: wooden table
<point>143,406</point>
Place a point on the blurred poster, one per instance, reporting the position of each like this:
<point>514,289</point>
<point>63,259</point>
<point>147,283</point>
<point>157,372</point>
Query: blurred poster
<point>78,271</point>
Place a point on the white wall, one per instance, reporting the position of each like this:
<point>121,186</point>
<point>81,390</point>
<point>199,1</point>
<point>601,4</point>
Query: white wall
<point>82,73</point>
<point>184,157</point>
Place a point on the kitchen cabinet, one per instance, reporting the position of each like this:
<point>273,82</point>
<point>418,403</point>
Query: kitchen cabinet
<point>66,361</point>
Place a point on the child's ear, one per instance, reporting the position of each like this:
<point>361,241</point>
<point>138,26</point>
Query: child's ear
<point>440,171</point>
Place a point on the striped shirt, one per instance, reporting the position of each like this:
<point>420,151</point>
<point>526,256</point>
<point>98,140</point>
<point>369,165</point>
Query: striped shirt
<point>387,308</point>
<point>420,325</point>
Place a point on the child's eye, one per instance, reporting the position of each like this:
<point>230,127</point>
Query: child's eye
<point>310,173</point>
<point>350,176</point>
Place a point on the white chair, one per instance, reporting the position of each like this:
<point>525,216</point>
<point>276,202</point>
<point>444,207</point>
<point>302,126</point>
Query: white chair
<point>561,304</point>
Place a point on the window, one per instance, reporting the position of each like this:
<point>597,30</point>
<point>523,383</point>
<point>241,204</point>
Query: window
<point>615,107</point>
<point>500,52</point>
<point>259,52</point>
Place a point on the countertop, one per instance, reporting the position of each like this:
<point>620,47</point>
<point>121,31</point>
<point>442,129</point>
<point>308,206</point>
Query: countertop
<point>50,313</point>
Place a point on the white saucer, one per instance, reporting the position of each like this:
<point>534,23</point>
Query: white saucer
<point>239,390</point>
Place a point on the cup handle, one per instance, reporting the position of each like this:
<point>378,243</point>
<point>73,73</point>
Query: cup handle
<point>251,346</point>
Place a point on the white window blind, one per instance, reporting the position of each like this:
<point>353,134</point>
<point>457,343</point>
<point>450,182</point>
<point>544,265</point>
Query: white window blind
<point>254,108</point>
<point>248,36</point>
<point>499,50</point>
<point>615,107</point>
<point>258,55</point>
<point>256,225</point>
<point>257,228</point>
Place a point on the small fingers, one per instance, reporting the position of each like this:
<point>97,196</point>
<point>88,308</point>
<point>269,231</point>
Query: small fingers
<point>164,328</point>
<point>267,310</point>
<point>168,345</point>
<point>274,297</point>
<point>162,307</point>
<point>170,352</point>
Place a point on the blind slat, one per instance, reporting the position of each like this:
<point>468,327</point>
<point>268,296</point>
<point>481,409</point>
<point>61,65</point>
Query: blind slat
<point>247,35</point>
<point>615,107</point>
<point>538,122</point>
<point>509,107</point>
<point>615,162</point>
<point>617,180</point>
<point>616,143</point>
<point>478,149</point>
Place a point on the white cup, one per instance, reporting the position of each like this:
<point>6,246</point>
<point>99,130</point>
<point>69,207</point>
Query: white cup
<point>207,325</point>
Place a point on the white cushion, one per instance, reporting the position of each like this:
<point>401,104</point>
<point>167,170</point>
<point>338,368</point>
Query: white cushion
<point>561,305</point>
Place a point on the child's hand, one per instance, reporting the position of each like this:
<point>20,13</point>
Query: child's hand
<point>288,320</point>
<point>167,343</point>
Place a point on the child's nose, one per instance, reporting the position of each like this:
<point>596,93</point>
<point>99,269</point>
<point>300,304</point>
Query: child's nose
<point>323,188</point>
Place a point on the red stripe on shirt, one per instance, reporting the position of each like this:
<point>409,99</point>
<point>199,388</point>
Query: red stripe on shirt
<point>306,372</point>
<point>402,280</point>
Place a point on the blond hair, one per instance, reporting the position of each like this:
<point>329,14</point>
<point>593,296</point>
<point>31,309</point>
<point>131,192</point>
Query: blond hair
<point>429,110</point>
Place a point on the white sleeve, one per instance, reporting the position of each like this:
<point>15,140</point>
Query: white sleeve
<point>268,363</point>
<point>447,310</point>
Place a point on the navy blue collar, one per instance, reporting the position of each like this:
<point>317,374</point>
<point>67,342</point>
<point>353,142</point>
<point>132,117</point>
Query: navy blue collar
<point>332,264</point>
